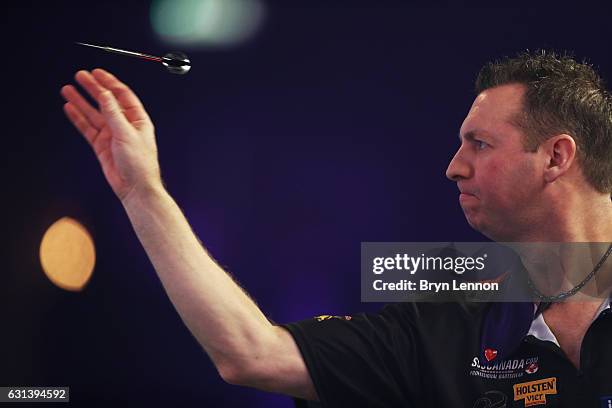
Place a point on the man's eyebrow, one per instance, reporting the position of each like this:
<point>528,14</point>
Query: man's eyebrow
<point>469,135</point>
<point>476,133</point>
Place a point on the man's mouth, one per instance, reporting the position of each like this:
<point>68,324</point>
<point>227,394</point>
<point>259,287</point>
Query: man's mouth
<point>466,197</point>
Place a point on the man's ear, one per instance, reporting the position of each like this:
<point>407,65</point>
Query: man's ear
<point>560,153</point>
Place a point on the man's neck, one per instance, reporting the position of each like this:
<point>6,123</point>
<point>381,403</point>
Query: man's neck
<point>572,218</point>
<point>556,267</point>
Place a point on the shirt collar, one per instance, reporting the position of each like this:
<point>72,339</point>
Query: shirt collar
<point>540,330</point>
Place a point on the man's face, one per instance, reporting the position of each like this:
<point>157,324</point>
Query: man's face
<point>499,182</point>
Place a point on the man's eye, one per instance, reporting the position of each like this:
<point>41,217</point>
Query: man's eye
<point>480,144</point>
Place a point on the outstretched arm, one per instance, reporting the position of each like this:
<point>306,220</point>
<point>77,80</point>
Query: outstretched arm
<point>244,346</point>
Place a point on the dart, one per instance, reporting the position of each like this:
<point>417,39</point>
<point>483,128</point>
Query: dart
<point>175,62</point>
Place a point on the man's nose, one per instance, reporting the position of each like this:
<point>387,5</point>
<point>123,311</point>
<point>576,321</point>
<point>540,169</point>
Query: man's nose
<point>458,168</point>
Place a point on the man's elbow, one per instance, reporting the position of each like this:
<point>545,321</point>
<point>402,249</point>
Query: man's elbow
<point>237,375</point>
<point>270,379</point>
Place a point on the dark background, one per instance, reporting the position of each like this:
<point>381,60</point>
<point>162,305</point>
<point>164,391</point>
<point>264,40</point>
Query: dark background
<point>334,126</point>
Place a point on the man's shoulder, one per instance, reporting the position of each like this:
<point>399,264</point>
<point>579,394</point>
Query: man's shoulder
<point>427,309</point>
<point>443,316</point>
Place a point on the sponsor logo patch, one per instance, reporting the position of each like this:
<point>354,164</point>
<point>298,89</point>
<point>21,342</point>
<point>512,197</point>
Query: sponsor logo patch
<point>535,392</point>
<point>492,399</point>
<point>504,369</point>
<point>327,317</point>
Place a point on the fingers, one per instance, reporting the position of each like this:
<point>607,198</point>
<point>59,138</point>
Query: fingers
<point>101,81</point>
<point>114,115</point>
<point>73,96</point>
<point>83,116</point>
<point>80,122</point>
<point>90,84</point>
<point>129,102</point>
<point>119,108</point>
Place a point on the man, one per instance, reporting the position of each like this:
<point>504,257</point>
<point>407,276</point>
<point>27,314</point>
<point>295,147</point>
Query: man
<point>534,164</point>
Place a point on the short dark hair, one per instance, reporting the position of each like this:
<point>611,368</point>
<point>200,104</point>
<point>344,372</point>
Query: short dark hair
<point>562,96</point>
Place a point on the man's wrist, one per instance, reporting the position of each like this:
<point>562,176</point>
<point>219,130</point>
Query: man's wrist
<point>143,193</point>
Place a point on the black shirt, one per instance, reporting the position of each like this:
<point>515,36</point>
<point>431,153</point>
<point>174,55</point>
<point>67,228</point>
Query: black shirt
<point>480,355</point>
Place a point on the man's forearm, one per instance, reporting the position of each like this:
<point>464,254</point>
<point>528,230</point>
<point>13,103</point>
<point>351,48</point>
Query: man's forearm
<point>221,316</point>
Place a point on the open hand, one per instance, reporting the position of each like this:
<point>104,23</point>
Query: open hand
<point>119,131</point>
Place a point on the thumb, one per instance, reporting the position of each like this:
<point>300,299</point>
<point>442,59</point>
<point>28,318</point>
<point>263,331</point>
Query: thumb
<point>113,114</point>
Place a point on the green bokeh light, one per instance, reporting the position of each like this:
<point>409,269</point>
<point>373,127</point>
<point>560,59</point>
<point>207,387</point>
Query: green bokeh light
<point>211,23</point>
